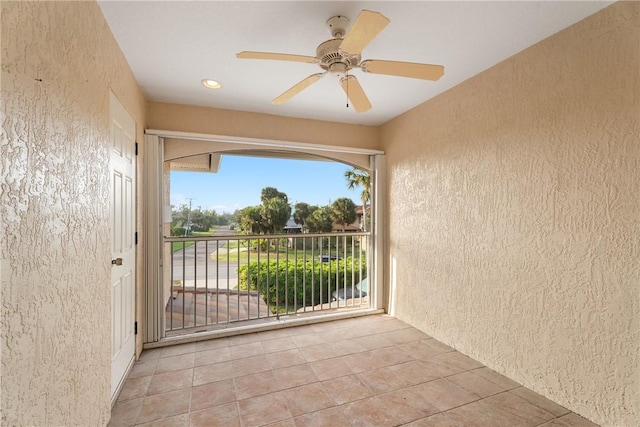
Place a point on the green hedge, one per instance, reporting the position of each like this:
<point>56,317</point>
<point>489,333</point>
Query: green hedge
<point>296,285</point>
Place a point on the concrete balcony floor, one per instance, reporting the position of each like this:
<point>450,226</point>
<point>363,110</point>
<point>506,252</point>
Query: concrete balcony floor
<point>365,371</point>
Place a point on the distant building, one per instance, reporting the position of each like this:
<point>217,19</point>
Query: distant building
<point>292,228</point>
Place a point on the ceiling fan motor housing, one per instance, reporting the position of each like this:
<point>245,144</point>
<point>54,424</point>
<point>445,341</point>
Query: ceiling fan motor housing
<point>328,54</point>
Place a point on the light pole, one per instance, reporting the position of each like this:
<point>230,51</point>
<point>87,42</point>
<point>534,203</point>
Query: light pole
<point>187,229</point>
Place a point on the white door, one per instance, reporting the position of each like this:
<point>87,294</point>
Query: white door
<point>123,257</point>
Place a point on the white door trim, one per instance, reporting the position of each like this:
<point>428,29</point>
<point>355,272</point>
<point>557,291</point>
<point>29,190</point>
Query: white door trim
<point>153,209</point>
<point>268,143</point>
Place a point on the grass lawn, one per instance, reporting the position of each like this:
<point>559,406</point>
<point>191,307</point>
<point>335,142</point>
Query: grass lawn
<point>241,256</point>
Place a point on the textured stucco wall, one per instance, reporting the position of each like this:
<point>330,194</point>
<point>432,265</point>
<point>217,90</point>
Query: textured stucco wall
<point>59,61</point>
<point>187,118</point>
<point>514,216</point>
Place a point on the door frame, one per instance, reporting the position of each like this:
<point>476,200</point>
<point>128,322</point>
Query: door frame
<point>153,205</point>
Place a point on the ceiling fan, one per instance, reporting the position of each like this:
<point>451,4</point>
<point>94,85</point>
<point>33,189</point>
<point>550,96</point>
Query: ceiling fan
<point>342,53</point>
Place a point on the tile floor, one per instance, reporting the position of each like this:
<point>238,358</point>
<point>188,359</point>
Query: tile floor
<point>366,371</point>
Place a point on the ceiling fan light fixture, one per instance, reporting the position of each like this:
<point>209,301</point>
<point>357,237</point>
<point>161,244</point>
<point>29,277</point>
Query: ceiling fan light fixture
<point>211,84</point>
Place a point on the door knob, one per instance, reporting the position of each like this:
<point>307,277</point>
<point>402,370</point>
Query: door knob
<point>117,261</point>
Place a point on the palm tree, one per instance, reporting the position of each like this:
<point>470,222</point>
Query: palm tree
<point>360,178</point>
<point>343,211</point>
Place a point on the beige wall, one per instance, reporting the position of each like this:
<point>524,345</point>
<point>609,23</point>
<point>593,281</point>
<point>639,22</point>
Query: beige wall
<point>187,118</point>
<point>59,61</point>
<point>513,216</point>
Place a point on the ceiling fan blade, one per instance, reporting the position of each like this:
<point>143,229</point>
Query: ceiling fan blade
<point>295,89</point>
<point>403,69</point>
<point>356,95</point>
<point>275,56</point>
<point>366,26</point>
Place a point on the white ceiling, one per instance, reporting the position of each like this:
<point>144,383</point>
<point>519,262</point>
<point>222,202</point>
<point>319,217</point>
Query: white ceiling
<point>172,45</point>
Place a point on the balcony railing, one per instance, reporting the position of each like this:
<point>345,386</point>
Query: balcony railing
<point>212,282</point>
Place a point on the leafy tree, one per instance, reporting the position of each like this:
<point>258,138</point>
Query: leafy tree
<point>360,178</point>
<point>343,211</point>
<point>250,220</point>
<point>203,220</point>
<point>272,193</point>
<point>301,213</point>
<point>179,215</point>
<point>275,212</point>
<point>269,217</point>
<point>320,220</point>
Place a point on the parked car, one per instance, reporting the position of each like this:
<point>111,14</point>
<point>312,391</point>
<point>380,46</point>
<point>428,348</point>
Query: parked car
<point>327,258</point>
<point>358,291</point>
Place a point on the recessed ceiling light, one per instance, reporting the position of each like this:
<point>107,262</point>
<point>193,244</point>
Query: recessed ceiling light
<point>211,84</point>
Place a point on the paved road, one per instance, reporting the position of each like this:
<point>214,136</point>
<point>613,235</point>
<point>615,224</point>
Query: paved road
<point>198,264</point>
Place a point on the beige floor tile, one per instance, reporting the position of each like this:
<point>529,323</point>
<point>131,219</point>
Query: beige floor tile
<point>150,354</point>
<point>284,423</point>
<point>143,368</point>
<point>394,377</point>
<point>163,383</point>
<point>331,417</point>
<point>255,385</point>
<point>475,384</point>
<point>373,342</point>
<point>346,389</point>
<point>346,347</point>
<point>264,409</point>
<point>278,344</point>
<point>208,357</point>
<point>213,394</point>
<point>125,413</point>
<point>307,340</point>
<point>177,350</point>
<point>246,350</point>
<point>425,349</point>
<point>318,352</point>
<point>331,368</point>
<point>285,358</point>
<point>367,412</point>
<point>405,335</point>
<point>218,416</point>
<point>406,405</point>
<point>375,359</point>
<point>459,360</point>
<point>569,420</point>
<point>134,388</point>
<point>496,378</point>
<point>364,361</point>
<point>294,376</point>
<point>440,367</point>
<point>443,419</point>
<point>540,401</point>
<point>164,405</point>
<point>444,394</point>
<point>251,365</point>
<point>382,380</point>
<point>307,398</point>
<point>176,421</point>
<point>388,325</point>
<point>480,414</point>
<point>212,344</point>
<point>372,370</point>
<point>528,413</point>
<point>211,373</point>
<point>175,363</point>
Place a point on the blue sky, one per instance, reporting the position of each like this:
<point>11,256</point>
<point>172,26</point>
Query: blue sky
<point>239,181</point>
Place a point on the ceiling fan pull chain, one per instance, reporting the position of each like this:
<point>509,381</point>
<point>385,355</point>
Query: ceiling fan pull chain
<point>347,91</point>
